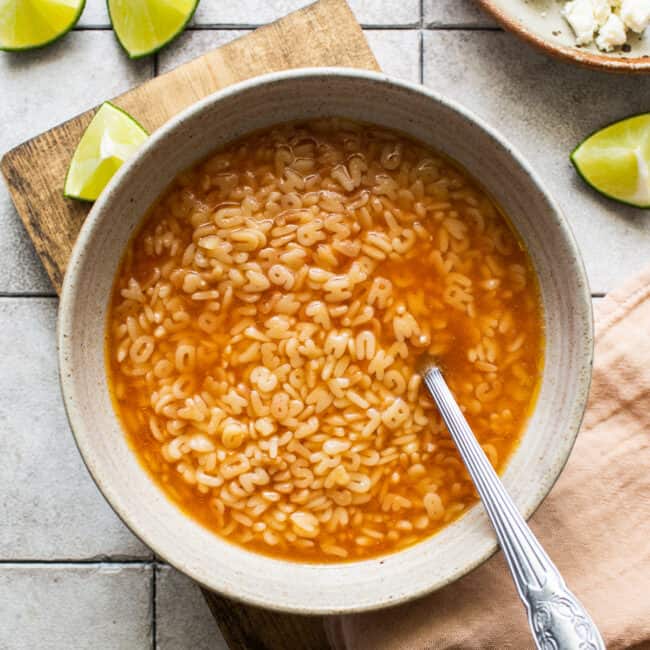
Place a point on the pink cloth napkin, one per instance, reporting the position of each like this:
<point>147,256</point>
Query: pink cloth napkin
<point>595,523</point>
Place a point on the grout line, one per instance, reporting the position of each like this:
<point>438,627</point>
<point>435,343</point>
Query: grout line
<point>233,26</point>
<point>154,607</point>
<point>421,42</point>
<point>25,294</point>
<point>224,26</point>
<point>403,28</point>
<point>64,562</point>
<point>463,28</point>
<point>249,26</point>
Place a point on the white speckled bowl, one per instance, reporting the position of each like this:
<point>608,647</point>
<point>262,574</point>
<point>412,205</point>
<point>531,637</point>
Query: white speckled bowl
<point>228,569</point>
<point>541,23</point>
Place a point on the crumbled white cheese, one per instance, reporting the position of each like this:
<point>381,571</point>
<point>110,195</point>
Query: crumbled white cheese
<point>580,15</point>
<point>611,34</point>
<point>636,14</point>
<point>602,11</point>
<point>606,21</point>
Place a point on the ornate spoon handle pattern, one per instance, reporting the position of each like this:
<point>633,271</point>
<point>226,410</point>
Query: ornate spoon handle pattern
<point>557,618</point>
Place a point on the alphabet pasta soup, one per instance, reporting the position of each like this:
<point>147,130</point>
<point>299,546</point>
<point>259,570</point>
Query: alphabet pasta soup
<point>265,325</point>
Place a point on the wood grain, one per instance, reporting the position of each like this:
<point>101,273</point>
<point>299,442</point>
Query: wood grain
<point>323,34</point>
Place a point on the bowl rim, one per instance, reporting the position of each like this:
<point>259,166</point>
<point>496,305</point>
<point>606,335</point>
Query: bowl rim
<point>585,58</point>
<point>583,308</point>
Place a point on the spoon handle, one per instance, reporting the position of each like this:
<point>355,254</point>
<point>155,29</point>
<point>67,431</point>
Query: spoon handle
<point>557,618</point>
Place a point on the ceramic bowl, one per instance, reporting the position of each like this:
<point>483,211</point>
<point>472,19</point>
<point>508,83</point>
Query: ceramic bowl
<point>229,114</point>
<point>540,22</point>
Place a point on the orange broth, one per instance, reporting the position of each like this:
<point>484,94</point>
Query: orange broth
<point>484,326</point>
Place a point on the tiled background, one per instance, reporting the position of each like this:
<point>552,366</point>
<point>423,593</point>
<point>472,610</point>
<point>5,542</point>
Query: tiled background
<point>71,575</point>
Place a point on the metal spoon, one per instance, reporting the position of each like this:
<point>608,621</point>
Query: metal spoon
<point>557,618</point>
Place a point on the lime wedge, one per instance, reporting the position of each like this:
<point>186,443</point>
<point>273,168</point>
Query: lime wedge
<point>615,161</point>
<point>26,24</point>
<point>144,26</point>
<point>111,137</point>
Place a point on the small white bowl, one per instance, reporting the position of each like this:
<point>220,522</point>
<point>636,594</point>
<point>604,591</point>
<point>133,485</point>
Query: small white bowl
<point>260,102</point>
<point>542,24</point>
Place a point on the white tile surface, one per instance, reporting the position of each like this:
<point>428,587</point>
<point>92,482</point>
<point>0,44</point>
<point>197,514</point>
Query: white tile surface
<point>397,51</point>
<point>193,43</point>
<point>94,14</point>
<point>37,91</point>
<point>455,13</point>
<point>387,12</point>
<point>256,12</point>
<point>545,108</point>
<point>244,12</point>
<point>75,607</point>
<point>183,619</point>
<point>20,268</point>
<point>50,509</point>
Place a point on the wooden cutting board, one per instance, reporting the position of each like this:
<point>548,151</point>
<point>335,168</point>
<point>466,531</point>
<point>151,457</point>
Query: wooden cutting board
<point>323,34</point>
